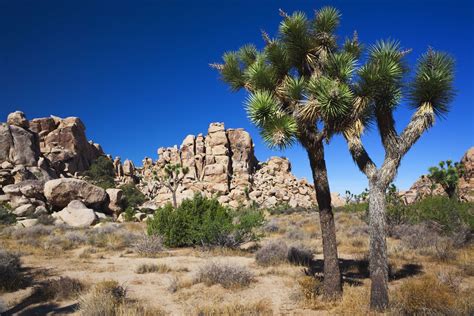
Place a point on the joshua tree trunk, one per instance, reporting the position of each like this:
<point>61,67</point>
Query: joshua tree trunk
<point>378,247</point>
<point>173,193</point>
<point>332,275</point>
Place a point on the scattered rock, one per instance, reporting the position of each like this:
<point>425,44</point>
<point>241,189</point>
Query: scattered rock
<point>76,214</point>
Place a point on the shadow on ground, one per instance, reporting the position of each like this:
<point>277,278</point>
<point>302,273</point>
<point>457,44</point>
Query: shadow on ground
<point>354,271</point>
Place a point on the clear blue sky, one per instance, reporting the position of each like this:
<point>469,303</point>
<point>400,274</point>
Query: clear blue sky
<point>136,72</point>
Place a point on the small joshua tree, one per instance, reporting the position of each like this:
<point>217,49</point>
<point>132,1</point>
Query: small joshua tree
<point>447,175</point>
<point>171,177</point>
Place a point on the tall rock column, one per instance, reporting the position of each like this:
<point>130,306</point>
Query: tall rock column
<point>216,173</point>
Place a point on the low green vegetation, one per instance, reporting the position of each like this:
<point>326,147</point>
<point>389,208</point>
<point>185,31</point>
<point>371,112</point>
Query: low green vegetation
<point>102,173</point>
<point>204,222</point>
<point>447,175</point>
<point>6,218</point>
<point>132,198</point>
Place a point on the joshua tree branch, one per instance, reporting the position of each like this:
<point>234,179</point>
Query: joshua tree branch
<point>360,155</point>
<point>421,121</point>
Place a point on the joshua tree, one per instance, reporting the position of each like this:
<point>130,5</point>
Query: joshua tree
<point>171,177</point>
<point>292,100</point>
<point>375,93</point>
<point>447,175</point>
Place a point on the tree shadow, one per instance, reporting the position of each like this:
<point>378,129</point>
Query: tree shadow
<point>25,309</point>
<point>29,279</point>
<point>354,271</point>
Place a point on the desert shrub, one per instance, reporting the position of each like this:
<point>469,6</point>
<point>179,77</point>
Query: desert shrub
<point>104,299</point>
<point>449,213</point>
<point>148,245</point>
<point>424,296</point>
<point>6,218</point>
<point>203,221</point>
<point>361,207</point>
<point>275,252</point>
<point>111,236</point>
<point>59,289</point>
<point>132,197</point>
<point>10,271</point>
<point>310,287</point>
<point>46,219</point>
<point>33,232</point>
<point>101,172</point>
<point>259,308</point>
<point>296,234</point>
<point>75,237</point>
<point>152,268</point>
<point>226,274</point>
<point>271,226</point>
<point>285,208</point>
<point>300,256</point>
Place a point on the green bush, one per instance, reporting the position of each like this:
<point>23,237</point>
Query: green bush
<point>6,218</point>
<point>449,213</point>
<point>102,173</point>
<point>353,207</point>
<point>132,198</point>
<point>203,221</point>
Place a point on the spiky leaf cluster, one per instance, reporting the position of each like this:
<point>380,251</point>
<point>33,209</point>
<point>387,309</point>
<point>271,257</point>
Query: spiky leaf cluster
<point>433,83</point>
<point>303,77</point>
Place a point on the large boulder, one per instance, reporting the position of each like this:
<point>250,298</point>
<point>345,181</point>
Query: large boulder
<point>60,192</point>
<point>18,146</point>
<point>115,200</point>
<point>76,214</point>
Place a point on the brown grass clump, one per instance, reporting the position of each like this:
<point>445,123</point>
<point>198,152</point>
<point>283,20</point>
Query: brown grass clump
<point>153,268</point>
<point>310,287</point>
<point>103,299</point>
<point>259,308</point>
<point>273,253</point>
<point>355,301</point>
<point>148,246</point>
<point>225,274</point>
<point>59,289</point>
<point>425,295</point>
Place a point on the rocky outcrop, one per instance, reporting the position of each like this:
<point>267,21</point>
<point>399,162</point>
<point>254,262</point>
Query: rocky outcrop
<point>425,187</point>
<point>60,192</point>
<point>64,143</point>
<point>466,183</point>
<point>222,163</point>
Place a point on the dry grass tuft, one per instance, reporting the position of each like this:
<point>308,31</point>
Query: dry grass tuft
<point>259,308</point>
<point>425,295</point>
<point>103,299</point>
<point>153,268</point>
<point>225,274</point>
<point>148,246</point>
<point>63,288</point>
<point>355,301</point>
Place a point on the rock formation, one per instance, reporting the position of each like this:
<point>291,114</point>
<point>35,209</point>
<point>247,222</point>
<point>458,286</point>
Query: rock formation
<point>424,187</point>
<point>64,143</point>
<point>223,164</point>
